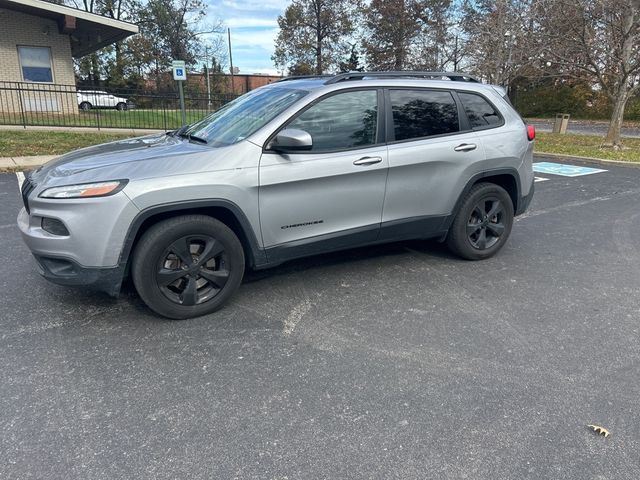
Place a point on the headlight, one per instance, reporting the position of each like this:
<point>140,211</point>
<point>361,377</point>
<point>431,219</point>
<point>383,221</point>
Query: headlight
<point>85,190</point>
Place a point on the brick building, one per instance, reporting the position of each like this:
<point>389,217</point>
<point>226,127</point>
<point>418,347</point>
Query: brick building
<point>242,82</point>
<point>38,42</point>
<point>221,83</point>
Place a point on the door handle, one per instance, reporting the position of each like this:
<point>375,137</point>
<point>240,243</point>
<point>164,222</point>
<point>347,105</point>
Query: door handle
<point>465,147</point>
<point>367,160</point>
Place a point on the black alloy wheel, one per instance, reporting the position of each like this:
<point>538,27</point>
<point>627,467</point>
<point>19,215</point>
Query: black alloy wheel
<point>486,223</point>
<point>483,222</point>
<point>192,270</point>
<point>187,266</point>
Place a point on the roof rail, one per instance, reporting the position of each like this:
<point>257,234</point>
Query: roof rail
<point>453,76</point>
<point>303,77</point>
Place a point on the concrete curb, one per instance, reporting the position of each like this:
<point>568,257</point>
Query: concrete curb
<point>602,161</point>
<point>16,164</point>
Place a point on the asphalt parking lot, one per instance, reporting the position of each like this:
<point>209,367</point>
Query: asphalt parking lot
<point>393,362</point>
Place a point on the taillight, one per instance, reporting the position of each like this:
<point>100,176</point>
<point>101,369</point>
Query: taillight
<point>531,132</point>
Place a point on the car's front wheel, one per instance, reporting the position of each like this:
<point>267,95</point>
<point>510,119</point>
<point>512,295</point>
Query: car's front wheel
<point>483,222</point>
<point>187,266</point>
<point>85,106</point>
<point>121,106</point>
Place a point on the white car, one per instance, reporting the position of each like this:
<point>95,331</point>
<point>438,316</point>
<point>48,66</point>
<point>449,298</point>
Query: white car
<point>88,99</point>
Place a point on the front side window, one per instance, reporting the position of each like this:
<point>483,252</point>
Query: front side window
<point>480,112</point>
<point>36,64</point>
<point>423,113</point>
<point>342,121</point>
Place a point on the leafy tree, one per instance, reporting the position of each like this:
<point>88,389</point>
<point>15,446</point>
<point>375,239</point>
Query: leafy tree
<point>408,34</point>
<point>353,62</point>
<point>301,68</point>
<point>391,27</point>
<point>315,32</point>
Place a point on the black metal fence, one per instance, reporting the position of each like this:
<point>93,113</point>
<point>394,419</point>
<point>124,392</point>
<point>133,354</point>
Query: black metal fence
<point>31,104</point>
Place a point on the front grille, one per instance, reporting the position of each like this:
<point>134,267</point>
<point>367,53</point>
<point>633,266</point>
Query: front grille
<point>27,188</point>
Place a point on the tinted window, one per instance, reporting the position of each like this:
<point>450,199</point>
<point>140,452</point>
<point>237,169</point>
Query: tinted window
<point>342,121</point>
<point>479,111</point>
<point>36,64</point>
<point>422,113</point>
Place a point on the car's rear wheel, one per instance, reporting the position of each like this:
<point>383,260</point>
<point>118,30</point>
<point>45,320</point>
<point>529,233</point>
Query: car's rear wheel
<point>85,106</point>
<point>187,266</point>
<point>121,106</point>
<point>483,223</point>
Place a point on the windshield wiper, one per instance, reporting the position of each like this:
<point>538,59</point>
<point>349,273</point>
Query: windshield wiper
<point>193,138</point>
<point>178,132</point>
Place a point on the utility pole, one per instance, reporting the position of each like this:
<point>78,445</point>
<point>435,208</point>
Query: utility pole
<point>206,71</point>
<point>233,90</point>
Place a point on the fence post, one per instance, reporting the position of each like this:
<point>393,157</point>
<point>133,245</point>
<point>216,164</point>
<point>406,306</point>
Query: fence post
<point>164,113</point>
<point>97,117</point>
<point>22,112</point>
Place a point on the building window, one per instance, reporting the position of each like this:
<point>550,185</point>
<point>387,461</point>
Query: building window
<point>36,64</point>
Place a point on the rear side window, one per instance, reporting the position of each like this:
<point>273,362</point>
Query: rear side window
<point>423,113</point>
<point>480,112</point>
<point>342,121</point>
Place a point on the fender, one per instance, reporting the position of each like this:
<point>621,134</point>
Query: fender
<point>257,255</point>
<point>512,172</point>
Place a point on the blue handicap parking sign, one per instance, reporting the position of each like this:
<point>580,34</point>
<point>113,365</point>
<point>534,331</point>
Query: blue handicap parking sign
<point>179,72</point>
<point>564,169</point>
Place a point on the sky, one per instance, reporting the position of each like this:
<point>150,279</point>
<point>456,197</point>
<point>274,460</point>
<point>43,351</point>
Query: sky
<point>254,28</point>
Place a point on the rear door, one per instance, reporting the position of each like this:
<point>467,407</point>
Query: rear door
<point>431,150</point>
<point>334,192</point>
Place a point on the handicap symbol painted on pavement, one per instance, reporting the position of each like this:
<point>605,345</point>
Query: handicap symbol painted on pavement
<point>564,170</point>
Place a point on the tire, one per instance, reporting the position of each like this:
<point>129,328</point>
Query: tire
<point>121,106</point>
<point>483,223</point>
<point>187,266</point>
<point>85,106</point>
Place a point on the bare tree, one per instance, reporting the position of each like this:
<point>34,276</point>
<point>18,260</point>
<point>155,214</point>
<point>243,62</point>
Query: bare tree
<point>497,36</point>
<point>599,39</point>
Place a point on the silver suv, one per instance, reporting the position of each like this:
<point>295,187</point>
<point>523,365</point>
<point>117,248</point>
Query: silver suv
<point>299,167</point>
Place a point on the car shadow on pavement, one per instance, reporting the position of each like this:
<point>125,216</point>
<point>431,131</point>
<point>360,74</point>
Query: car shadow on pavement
<point>427,247</point>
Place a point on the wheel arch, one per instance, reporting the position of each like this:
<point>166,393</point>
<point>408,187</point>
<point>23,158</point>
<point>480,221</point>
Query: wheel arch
<point>225,211</point>
<point>506,178</point>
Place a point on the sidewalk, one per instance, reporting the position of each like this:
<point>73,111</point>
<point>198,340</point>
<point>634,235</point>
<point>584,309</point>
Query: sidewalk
<point>16,164</point>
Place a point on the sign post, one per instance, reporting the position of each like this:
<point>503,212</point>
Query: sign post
<point>180,75</point>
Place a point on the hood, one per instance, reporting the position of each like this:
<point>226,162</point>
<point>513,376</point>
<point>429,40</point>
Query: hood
<point>140,157</point>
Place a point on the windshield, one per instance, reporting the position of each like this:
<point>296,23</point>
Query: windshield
<point>246,114</point>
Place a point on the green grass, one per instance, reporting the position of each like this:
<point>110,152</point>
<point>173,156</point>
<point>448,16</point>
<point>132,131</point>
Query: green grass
<point>103,118</point>
<point>587,146</point>
<point>37,142</point>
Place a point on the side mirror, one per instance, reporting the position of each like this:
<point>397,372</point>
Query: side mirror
<point>291,140</point>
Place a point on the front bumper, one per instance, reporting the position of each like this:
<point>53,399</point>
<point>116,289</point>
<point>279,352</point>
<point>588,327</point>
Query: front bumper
<point>63,271</point>
<point>89,254</point>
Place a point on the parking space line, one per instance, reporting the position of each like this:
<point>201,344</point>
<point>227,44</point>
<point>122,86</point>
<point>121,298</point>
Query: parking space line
<point>20,176</point>
<point>540,179</point>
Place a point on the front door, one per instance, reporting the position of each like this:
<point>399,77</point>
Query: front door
<point>330,196</point>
